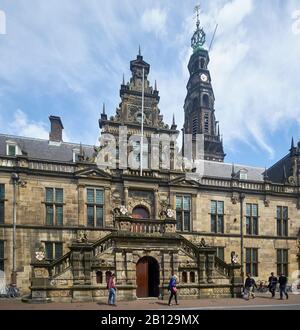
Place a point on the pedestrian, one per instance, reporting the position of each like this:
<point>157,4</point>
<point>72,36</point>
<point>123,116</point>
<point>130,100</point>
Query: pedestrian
<point>172,288</point>
<point>282,286</point>
<point>112,289</point>
<point>272,284</point>
<point>249,286</point>
<point>108,276</point>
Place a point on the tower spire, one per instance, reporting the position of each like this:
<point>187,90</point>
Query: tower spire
<point>174,126</point>
<point>292,144</point>
<point>123,79</point>
<point>155,86</point>
<point>232,171</point>
<point>103,109</point>
<point>140,53</point>
<point>197,10</point>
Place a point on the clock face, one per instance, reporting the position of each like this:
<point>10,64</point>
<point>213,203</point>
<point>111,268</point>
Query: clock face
<point>204,77</point>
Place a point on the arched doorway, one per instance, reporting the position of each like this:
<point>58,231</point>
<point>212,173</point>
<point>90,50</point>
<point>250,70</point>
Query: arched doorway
<point>147,278</point>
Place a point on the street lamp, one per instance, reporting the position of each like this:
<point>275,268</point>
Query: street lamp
<point>242,197</point>
<point>15,180</point>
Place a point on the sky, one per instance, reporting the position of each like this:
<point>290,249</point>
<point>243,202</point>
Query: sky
<point>66,57</point>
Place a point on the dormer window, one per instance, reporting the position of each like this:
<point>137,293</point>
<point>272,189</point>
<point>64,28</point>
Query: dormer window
<point>12,149</point>
<point>243,175</point>
<point>75,155</point>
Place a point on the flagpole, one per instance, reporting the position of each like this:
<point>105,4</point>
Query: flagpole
<point>142,130</point>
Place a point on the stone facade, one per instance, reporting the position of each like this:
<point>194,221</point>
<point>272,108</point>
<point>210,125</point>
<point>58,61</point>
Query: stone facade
<point>136,218</point>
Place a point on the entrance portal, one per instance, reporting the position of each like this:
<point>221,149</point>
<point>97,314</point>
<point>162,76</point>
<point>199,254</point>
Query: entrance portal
<point>147,278</point>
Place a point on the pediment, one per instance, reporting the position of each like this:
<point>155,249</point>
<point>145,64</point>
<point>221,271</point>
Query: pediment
<point>92,173</point>
<point>184,181</point>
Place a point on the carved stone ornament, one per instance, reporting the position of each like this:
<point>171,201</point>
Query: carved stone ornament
<point>123,210</point>
<point>170,213</point>
<point>234,258</point>
<point>234,199</point>
<point>81,236</point>
<point>202,243</point>
<point>40,254</point>
<point>267,202</point>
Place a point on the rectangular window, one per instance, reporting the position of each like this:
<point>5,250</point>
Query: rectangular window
<point>2,256</point>
<point>54,206</point>
<point>95,208</point>
<point>220,253</point>
<point>217,217</point>
<point>252,262</point>
<point>252,219</point>
<point>183,213</point>
<point>11,150</point>
<point>282,221</point>
<point>282,262</point>
<point>49,250</point>
<point>2,198</point>
<point>53,250</point>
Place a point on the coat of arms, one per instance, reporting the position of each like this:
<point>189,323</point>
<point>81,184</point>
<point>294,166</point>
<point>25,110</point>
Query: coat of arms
<point>40,255</point>
<point>170,213</point>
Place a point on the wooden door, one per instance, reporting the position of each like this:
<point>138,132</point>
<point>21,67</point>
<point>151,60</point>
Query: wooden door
<point>142,278</point>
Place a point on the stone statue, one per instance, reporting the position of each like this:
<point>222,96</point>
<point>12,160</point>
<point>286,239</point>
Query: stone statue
<point>81,237</point>
<point>203,243</point>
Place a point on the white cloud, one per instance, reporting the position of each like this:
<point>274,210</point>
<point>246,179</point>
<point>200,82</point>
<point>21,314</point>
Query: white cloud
<point>154,20</point>
<point>233,13</point>
<point>24,127</point>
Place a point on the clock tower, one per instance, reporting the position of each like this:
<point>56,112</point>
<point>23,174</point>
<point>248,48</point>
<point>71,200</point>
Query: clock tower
<point>199,103</point>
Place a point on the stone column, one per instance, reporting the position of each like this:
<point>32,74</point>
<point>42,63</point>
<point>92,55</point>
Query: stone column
<point>130,268</point>
<point>201,277</point>
<point>210,267</point>
<point>166,273</point>
<point>108,222</point>
<point>120,269</point>
<point>156,201</point>
<point>126,197</point>
<point>87,267</point>
<point>76,267</point>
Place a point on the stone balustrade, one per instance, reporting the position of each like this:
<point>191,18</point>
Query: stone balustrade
<point>145,226</point>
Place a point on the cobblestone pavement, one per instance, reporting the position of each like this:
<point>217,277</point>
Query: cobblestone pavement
<point>263,301</point>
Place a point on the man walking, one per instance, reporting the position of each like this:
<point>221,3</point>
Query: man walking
<point>272,284</point>
<point>249,286</point>
<point>282,286</point>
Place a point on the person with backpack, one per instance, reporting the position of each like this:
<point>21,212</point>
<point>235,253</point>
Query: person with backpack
<point>173,290</point>
<point>272,284</point>
<point>112,290</point>
<point>249,286</point>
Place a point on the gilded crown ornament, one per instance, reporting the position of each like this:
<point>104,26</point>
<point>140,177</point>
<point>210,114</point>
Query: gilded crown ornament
<point>199,36</point>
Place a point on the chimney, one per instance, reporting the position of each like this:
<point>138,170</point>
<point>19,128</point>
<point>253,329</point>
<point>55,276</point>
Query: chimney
<point>55,134</point>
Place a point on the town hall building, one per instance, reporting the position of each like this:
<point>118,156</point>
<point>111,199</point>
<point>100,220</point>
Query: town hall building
<point>66,222</point>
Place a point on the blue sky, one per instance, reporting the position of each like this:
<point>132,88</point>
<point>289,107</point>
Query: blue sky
<point>66,57</point>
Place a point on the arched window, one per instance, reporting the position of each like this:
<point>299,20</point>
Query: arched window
<point>99,277</point>
<point>192,277</point>
<point>205,101</point>
<point>140,212</point>
<point>184,277</point>
<point>202,63</point>
<point>107,276</point>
